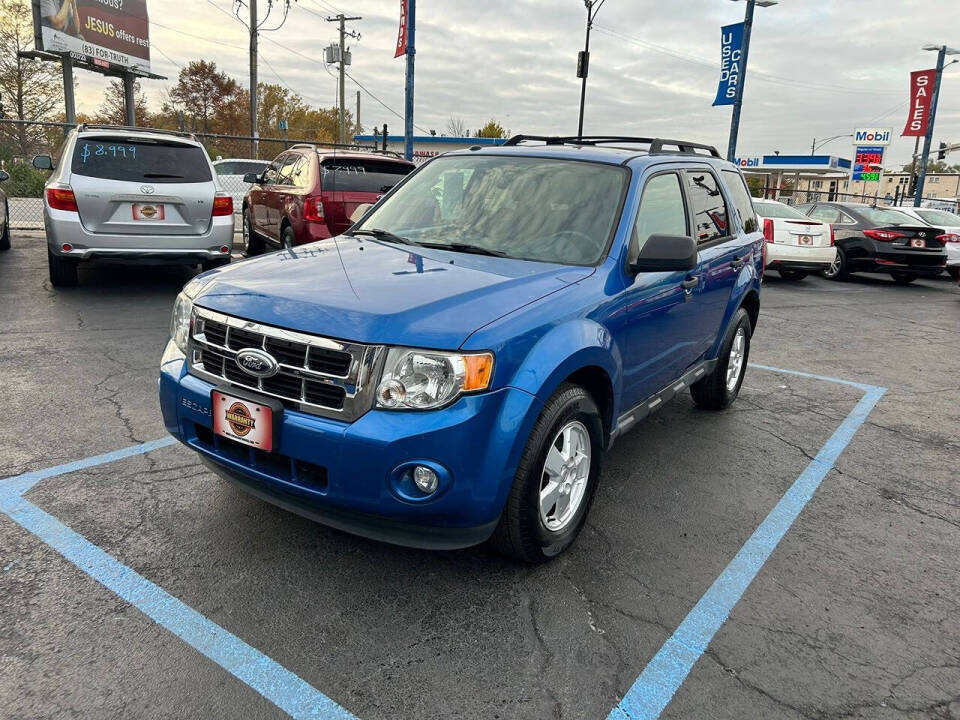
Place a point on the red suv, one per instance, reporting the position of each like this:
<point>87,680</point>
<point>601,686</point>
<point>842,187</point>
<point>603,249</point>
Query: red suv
<point>309,194</point>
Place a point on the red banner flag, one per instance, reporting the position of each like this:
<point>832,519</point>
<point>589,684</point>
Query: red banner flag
<point>921,95</point>
<point>402,37</point>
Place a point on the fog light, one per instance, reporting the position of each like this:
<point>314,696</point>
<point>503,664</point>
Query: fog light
<point>425,479</point>
<point>224,249</point>
<point>66,247</point>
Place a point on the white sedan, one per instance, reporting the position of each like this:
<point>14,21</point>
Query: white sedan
<point>230,172</point>
<point>796,244</point>
<point>950,223</point>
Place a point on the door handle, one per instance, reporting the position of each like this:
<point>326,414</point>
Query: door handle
<point>691,282</point>
<point>738,262</point>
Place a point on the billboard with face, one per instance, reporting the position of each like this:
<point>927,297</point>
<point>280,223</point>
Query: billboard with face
<point>111,34</point>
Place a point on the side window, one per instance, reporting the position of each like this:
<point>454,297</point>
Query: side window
<point>301,172</point>
<point>741,200</point>
<point>846,219</point>
<point>662,212</point>
<point>825,213</point>
<point>271,173</point>
<point>709,209</point>
<point>285,176</point>
<point>226,168</point>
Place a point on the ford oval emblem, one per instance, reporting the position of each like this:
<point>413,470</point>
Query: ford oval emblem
<point>146,189</point>
<point>257,363</point>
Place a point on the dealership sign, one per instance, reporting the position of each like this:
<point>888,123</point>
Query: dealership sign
<point>872,136</point>
<point>731,58</point>
<point>921,94</point>
<point>111,34</point>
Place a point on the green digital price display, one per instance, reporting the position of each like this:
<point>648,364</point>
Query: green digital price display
<point>870,176</point>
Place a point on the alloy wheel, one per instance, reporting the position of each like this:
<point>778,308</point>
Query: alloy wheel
<point>738,351</point>
<point>563,482</point>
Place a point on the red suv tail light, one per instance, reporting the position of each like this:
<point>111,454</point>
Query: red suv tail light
<point>313,209</point>
<point>768,230</point>
<point>62,199</point>
<point>948,238</point>
<point>222,205</point>
<point>883,235</point>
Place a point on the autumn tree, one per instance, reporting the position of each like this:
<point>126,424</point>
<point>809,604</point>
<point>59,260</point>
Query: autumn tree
<point>113,109</point>
<point>492,129</point>
<point>207,97</point>
<point>31,89</point>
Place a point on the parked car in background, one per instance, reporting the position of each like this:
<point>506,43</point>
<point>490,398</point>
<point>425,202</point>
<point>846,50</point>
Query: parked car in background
<point>457,366</point>
<point>309,194</point>
<point>796,244</point>
<point>133,195</point>
<point>4,214</point>
<point>230,171</point>
<point>950,223</point>
<point>879,240</point>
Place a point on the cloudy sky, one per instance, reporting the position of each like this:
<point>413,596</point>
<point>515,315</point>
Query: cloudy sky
<point>817,67</point>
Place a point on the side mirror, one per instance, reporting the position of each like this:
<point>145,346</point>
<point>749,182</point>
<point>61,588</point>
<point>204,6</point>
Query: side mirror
<point>43,162</point>
<point>4,176</point>
<point>662,253</point>
<point>360,211</point>
<point>253,178</point>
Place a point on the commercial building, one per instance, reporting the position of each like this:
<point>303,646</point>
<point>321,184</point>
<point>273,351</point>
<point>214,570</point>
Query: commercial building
<point>428,146</point>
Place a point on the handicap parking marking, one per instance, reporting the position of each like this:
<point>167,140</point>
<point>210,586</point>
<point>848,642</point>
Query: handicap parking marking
<point>646,699</point>
<point>665,673</point>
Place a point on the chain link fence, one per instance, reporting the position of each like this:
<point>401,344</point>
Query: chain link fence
<point>896,199</point>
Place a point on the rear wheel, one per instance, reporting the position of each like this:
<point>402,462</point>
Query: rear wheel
<point>252,243</point>
<point>954,272</point>
<point>903,278</point>
<point>555,480</point>
<point>288,238</point>
<point>63,270</point>
<point>838,268</point>
<point>720,388</point>
<point>793,275</point>
<point>5,235</point>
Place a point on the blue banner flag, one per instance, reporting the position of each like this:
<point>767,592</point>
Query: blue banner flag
<point>731,57</point>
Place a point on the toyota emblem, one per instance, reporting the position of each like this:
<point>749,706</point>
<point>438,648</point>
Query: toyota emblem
<point>146,189</point>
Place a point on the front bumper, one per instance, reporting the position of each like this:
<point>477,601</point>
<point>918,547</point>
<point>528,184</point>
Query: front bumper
<point>341,474</point>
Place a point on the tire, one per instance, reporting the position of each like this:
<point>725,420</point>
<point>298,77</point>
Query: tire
<point>5,235</point>
<point>720,388</point>
<point>524,531</point>
<point>903,278</point>
<point>211,264</point>
<point>954,272</point>
<point>252,243</point>
<point>838,269</point>
<point>288,239</point>
<point>63,271</point>
<point>793,275</point>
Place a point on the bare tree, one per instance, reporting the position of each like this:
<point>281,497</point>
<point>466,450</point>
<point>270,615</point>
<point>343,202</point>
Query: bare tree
<point>113,109</point>
<point>457,127</point>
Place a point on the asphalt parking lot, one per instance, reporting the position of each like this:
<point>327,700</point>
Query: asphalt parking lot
<point>856,613</point>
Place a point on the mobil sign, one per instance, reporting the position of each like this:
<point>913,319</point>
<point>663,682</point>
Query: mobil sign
<point>872,136</point>
<point>747,162</point>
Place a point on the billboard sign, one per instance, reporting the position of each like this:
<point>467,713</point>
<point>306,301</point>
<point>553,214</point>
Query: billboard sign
<point>731,56</point>
<point>868,163</point>
<point>921,93</point>
<point>112,34</point>
<point>872,136</point>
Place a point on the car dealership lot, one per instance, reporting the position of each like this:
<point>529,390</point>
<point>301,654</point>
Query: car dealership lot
<point>854,615</point>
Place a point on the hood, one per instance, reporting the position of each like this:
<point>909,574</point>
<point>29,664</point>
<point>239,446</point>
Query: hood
<point>367,291</point>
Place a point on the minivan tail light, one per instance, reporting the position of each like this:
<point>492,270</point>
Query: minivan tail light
<point>948,238</point>
<point>883,235</point>
<point>768,230</point>
<point>222,205</point>
<point>313,209</point>
<point>62,199</point>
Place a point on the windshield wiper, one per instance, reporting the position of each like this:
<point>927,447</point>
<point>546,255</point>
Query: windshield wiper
<point>386,236</point>
<point>467,248</point>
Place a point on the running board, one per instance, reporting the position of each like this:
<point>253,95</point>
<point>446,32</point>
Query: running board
<point>656,401</point>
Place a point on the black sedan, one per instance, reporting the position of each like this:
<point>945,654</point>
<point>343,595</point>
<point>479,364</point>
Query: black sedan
<point>880,240</point>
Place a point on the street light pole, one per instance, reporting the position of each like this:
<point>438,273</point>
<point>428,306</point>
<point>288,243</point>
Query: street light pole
<point>584,64</point>
<point>928,138</point>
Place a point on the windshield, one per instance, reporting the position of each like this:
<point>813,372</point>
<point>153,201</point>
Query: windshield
<point>939,217</point>
<point>140,160</point>
<point>880,216</point>
<point>777,210</point>
<point>557,211</point>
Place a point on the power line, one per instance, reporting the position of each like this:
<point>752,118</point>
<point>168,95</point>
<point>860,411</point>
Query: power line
<point>196,37</point>
<point>154,46</point>
<point>421,129</point>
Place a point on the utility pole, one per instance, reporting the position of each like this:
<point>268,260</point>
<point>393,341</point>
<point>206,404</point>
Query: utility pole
<point>583,60</point>
<point>342,19</point>
<point>408,105</point>
<point>254,148</point>
<point>357,127</point>
<point>738,100</point>
<point>942,53</point>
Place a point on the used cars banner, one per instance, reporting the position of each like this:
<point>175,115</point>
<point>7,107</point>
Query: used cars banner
<point>731,54</point>
<point>107,33</point>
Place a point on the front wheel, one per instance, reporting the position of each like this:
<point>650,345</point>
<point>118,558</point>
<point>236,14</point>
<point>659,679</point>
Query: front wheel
<point>792,275</point>
<point>838,268</point>
<point>720,388</point>
<point>555,480</point>
<point>903,278</point>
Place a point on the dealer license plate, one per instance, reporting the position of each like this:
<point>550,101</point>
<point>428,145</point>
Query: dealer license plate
<point>143,211</point>
<point>917,242</point>
<point>806,240</point>
<point>245,422</point>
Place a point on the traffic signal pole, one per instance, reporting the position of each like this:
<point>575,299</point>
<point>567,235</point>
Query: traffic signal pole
<point>928,138</point>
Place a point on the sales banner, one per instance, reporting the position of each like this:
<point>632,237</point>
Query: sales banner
<point>921,96</point>
<point>402,36</point>
<point>112,34</point>
<point>731,55</point>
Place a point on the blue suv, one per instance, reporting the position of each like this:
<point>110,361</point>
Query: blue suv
<point>453,368</point>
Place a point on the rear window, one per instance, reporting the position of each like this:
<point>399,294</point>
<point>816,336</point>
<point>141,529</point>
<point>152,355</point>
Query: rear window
<point>140,161</point>
<point>369,176</point>
<point>879,216</point>
<point>777,210</point>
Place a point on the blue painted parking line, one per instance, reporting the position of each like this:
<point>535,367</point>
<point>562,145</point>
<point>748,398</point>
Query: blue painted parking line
<point>665,673</point>
<point>645,700</point>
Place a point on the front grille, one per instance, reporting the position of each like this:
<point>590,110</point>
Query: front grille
<point>317,375</point>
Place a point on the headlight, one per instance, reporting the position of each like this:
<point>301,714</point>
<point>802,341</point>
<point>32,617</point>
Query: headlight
<point>427,379</point>
<point>180,321</point>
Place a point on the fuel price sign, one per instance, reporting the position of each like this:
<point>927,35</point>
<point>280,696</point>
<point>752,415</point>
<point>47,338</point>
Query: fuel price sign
<point>868,162</point>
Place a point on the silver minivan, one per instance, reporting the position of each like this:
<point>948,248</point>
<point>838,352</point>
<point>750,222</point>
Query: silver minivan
<point>133,195</point>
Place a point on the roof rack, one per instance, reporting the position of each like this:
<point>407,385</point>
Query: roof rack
<point>97,126</point>
<point>684,147</point>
